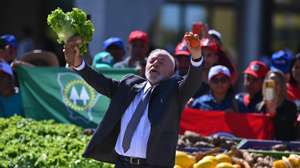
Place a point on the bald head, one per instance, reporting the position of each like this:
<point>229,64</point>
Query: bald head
<point>160,65</point>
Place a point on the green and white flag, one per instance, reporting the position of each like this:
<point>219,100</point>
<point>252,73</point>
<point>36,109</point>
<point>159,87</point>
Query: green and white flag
<point>62,95</point>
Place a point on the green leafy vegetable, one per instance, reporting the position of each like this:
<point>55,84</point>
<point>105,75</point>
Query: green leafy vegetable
<point>25,143</point>
<point>73,23</point>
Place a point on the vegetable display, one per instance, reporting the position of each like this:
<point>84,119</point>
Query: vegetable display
<point>25,143</point>
<point>197,151</point>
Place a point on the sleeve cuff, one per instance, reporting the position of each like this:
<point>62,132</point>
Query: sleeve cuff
<point>197,63</point>
<point>80,67</point>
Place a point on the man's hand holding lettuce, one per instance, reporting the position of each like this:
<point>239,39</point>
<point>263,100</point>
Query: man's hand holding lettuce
<point>70,24</point>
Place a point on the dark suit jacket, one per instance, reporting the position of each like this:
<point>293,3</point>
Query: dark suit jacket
<point>165,107</point>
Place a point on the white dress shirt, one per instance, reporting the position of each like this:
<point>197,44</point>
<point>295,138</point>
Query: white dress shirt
<point>138,147</point>
<point>140,137</point>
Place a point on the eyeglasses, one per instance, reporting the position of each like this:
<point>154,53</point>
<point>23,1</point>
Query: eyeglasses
<point>219,80</point>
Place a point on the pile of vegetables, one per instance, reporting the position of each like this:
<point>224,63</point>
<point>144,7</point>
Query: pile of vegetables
<point>25,143</point>
<point>69,24</point>
<point>193,140</point>
<point>220,152</point>
<point>234,158</point>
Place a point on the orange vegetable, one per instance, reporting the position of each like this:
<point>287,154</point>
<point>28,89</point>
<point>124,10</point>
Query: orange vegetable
<point>193,39</point>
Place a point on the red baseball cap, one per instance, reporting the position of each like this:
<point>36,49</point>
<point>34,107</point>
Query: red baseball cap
<point>138,35</point>
<point>257,69</point>
<point>181,49</point>
<point>210,43</point>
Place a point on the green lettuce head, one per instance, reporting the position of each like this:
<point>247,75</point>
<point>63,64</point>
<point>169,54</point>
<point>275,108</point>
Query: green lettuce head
<point>73,23</point>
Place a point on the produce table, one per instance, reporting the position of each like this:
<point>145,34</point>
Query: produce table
<point>202,151</point>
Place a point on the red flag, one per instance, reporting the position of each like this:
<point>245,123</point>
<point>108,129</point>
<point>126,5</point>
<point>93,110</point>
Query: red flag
<point>250,125</point>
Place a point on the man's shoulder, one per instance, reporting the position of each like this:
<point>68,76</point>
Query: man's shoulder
<point>170,82</point>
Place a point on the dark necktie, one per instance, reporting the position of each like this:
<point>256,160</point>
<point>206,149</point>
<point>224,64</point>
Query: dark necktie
<point>139,111</point>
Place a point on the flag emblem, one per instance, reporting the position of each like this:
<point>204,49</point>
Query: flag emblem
<point>79,96</point>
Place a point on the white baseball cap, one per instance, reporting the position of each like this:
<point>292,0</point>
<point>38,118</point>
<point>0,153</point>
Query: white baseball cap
<point>215,33</point>
<point>218,69</point>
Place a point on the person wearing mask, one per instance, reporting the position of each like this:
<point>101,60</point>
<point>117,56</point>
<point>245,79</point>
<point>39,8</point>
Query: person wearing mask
<point>10,98</point>
<point>182,57</point>
<point>220,95</point>
<point>138,47</point>
<point>115,46</point>
<point>141,125</point>
<point>254,76</point>
<point>276,104</point>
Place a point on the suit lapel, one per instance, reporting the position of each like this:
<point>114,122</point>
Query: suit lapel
<point>136,88</point>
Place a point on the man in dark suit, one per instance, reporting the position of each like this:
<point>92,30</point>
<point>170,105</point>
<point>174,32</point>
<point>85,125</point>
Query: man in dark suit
<point>140,127</point>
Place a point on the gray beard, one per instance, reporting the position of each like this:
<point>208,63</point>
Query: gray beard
<point>153,81</point>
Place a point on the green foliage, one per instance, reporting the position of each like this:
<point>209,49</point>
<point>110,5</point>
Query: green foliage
<point>73,23</point>
<point>25,143</point>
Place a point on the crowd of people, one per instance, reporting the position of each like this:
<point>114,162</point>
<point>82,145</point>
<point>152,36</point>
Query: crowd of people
<point>217,92</point>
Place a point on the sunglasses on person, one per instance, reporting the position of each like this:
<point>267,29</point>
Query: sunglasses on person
<point>219,80</point>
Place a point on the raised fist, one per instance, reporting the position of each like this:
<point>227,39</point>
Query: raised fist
<point>72,51</point>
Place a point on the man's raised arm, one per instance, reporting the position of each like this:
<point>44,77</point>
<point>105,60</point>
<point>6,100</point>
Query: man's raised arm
<point>98,81</point>
<point>192,80</point>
